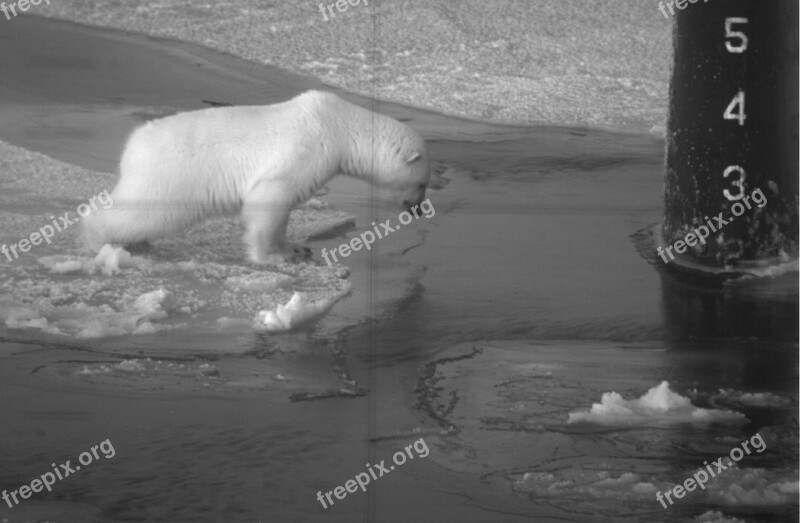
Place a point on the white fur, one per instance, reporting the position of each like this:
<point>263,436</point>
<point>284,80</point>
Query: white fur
<point>260,160</point>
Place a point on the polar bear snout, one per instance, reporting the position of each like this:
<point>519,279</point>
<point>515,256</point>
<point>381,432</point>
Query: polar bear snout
<point>408,204</point>
<point>416,197</point>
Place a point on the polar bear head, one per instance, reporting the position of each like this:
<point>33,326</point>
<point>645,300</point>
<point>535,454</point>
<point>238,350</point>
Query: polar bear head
<point>405,170</point>
<point>408,186</point>
<point>376,148</point>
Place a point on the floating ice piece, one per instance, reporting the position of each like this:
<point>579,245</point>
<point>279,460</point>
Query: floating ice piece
<point>133,365</point>
<point>150,367</point>
<point>297,311</point>
<point>753,487</point>
<point>714,516</point>
<point>658,404</point>
<point>110,260</point>
<point>26,318</point>
<point>735,487</point>
<point>87,321</point>
<point>752,399</point>
<point>150,304</point>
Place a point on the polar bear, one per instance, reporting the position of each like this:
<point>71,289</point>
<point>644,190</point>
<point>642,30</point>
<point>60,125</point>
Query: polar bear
<point>257,160</point>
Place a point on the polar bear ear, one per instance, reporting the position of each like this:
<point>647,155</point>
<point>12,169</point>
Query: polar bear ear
<point>416,155</point>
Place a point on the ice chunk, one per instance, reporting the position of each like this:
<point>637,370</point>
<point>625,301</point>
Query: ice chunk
<point>149,304</point>
<point>741,487</point>
<point>133,365</point>
<point>753,487</point>
<point>752,399</point>
<point>297,311</point>
<point>88,321</point>
<point>658,404</point>
<point>714,516</point>
<point>110,260</point>
<point>150,367</point>
<point>30,319</point>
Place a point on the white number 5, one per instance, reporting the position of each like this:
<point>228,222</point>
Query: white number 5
<point>730,33</point>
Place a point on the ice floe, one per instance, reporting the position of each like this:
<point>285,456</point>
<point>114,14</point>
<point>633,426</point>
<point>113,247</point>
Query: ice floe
<point>657,404</point>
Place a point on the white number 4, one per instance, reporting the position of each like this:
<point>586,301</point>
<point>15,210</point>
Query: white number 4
<point>730,111</point>
<point>730,33</point>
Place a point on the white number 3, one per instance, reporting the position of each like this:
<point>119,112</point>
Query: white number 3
<point>739,184</point>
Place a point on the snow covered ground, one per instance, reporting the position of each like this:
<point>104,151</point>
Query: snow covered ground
<point>601,63</point>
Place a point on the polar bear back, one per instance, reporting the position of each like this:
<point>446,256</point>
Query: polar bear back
<point>221,151</point>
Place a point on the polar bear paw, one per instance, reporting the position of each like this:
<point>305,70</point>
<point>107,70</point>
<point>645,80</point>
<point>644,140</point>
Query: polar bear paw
<point>138,248</point>
<point>292,254</point>
<point>299,253</point>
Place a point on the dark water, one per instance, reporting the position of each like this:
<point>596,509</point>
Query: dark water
<point>525,298</point>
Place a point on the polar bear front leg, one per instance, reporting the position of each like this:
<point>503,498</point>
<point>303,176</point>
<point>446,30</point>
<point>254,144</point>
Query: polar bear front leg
<point>266,215</point>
